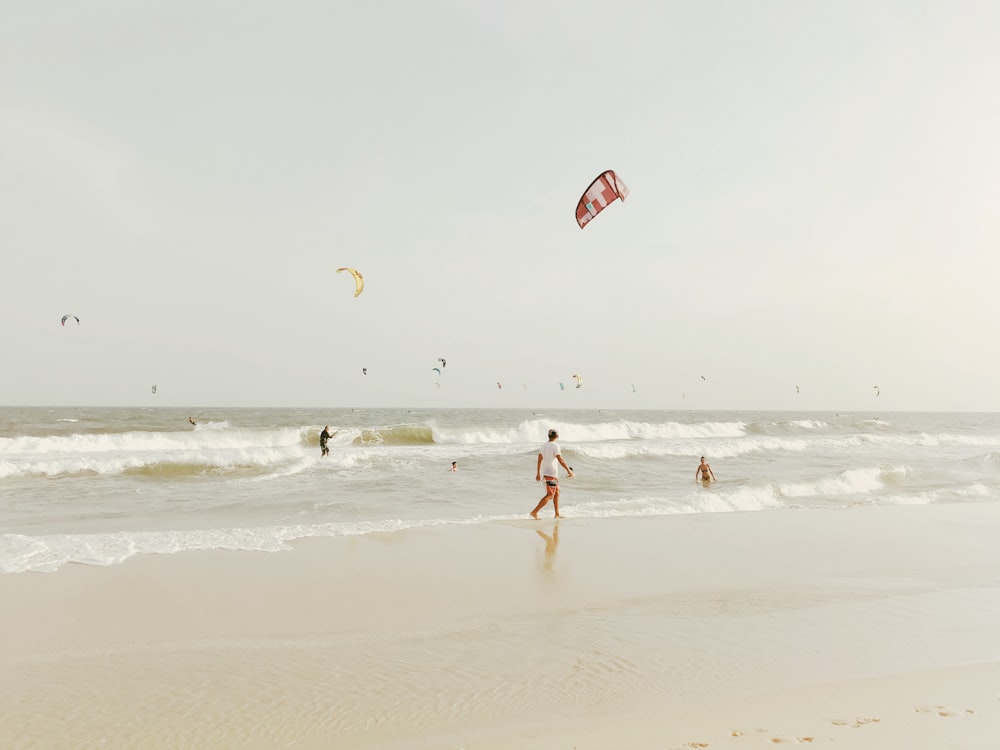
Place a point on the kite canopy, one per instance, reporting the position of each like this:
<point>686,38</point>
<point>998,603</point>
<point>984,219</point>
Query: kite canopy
<point>602,191</point>
<point>67,317</point>
<point>579,381</point>
<point>359,280</point>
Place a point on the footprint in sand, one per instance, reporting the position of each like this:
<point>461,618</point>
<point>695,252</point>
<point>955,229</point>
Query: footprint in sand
<point>943,711</point>
<point>695,744</point>
<point>860,722</point>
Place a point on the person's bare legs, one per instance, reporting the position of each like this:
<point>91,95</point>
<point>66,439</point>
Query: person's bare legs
<point>549,492</point>
<point>555,502</point>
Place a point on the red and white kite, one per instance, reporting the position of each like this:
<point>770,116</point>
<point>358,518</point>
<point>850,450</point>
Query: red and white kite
<point>595,198</point>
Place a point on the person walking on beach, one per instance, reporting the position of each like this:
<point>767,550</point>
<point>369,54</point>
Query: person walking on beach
<point>707,475</point>
<point>324,438</point>
<point>549,456</point>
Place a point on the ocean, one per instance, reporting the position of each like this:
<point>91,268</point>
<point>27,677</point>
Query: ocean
<point>98,486</point>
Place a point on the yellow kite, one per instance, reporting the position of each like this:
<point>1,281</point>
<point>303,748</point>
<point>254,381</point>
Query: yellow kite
<point>359,280</point>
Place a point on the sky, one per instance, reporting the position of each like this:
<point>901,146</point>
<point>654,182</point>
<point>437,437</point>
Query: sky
<point>814,204</point>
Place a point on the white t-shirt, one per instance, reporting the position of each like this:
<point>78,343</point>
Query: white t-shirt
<point>549,451</point>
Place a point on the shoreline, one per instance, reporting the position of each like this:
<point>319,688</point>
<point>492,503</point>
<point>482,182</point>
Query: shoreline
<point>526,633</point>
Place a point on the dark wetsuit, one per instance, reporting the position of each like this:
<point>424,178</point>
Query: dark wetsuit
<point>324,437</point>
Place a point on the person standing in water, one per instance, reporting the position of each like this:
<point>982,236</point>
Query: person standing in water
<point>705,471</point>
<point>324,438</point>
<point>549,458</point>
<point>454,465</point>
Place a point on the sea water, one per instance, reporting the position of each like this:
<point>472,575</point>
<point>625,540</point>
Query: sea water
<point>100,485</point>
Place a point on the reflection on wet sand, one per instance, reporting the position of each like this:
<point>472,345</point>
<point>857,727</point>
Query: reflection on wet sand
<point>551,542</point>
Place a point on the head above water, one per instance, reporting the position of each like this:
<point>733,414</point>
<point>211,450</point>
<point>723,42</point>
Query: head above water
<point>703,459</point>
<point>553,434</point>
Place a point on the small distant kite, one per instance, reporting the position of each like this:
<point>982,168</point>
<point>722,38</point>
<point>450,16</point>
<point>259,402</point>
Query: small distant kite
<point>602,191</point>
<point>499,386</point>
<point>703,377</point>
<point>562,386</point>
<point>444,363</point>
<point>67,317</point>
<point>154,389</point>
<point>437,370</point>
<point>579,381</point>
<point>359,280</point>
<point>364,370</point>
<point>633,388</point>
<point>796,389</point>
<point>877,391</point>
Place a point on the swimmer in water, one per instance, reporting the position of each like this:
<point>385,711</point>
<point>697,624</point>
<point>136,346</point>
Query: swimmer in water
<point>707,475</point>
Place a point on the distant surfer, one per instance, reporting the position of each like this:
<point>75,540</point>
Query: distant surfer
<point>705,472</point>
<point>454,465</point>
<point>324,438</point>
<point>191,420</point>
<point>547,468</point>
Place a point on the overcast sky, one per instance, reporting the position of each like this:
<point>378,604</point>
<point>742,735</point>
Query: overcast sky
<point>815,202</point>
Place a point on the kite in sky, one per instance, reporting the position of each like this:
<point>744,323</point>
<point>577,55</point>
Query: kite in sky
<point>877,391</point>
<point>359,280</point>
<point>602,191</point>
<point>579,381</point>
<point>67,317</point>
<point>443,363</point>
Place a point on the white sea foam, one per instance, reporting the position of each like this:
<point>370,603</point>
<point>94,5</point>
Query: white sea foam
<point>47,553</point>
<point>850,482</point>
<point>740,499</point>
<point>108,442</point>
<point>809,424</point>
<point>536,431</point>
<point>115,453</point>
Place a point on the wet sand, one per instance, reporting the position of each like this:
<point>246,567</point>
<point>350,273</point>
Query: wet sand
<point>859,628</point>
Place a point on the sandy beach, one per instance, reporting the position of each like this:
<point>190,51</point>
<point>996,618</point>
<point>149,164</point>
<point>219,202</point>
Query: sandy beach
<point>868,627</point>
